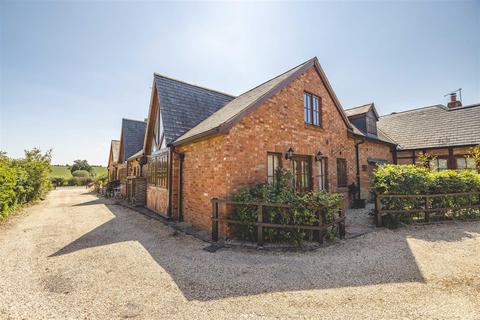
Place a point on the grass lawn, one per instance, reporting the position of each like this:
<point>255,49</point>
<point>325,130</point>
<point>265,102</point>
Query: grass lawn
<point>63,171</point>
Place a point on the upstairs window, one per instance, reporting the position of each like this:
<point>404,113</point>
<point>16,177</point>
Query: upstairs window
<point>341,172</point>
<point>311,109</point>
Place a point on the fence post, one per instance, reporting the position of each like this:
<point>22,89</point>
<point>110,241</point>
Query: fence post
<point>320,224</point>
<point>378,209</point>
<point>342,223</point>
<point>260,227</point>
<point>427,207</point>
<point>214,219</point>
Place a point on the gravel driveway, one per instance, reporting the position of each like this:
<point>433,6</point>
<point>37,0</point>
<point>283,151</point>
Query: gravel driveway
<point>75,256</point>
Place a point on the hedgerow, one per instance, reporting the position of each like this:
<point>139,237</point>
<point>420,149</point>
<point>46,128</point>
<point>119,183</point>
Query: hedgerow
<point>23,180</point>
<point>413,180</point>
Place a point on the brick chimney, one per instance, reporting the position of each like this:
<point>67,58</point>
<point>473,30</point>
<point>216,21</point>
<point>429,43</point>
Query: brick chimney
<point>454,103</point>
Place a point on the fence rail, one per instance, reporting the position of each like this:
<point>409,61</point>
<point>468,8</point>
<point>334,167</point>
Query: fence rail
<point>428,203</point>
<point>321,228</point>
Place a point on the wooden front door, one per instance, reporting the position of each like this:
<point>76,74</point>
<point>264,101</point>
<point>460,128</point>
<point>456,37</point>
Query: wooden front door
<point>302,172</point>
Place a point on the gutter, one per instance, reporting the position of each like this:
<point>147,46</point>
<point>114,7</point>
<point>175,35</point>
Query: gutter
<point>357,155</point>
<point>195,137</point>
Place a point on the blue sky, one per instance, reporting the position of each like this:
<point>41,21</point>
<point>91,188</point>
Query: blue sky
<point>70,71</point>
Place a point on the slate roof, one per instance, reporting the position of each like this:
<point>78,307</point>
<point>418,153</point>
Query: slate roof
<point>433,126</point>
<point>133,134</point>
<point>115,147</point>
<point>358,110</point>
<point>381,136</point>
<point>184,105</point>
<point>236,108</point>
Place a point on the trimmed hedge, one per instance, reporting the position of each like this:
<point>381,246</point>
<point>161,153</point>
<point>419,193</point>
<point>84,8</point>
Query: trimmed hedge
<point>410,179</point>
<point>23,180</point>
<point>304,208</point>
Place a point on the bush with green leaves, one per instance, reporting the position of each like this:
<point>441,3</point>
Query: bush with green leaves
<point>305,209</point>
<point>81,174</point>
<point>410,179</point>
<point>101,181</point>
<point>23,180</point>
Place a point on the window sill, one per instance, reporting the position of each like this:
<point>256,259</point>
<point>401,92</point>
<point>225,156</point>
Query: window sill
<point>342,189</point>
<point>312,126</point>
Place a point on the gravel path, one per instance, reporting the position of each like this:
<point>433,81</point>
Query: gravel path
<point>75,257</point>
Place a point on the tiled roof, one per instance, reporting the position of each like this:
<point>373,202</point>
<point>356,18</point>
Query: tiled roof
<point>358,110</point>
<point>115,147</point>
<point>133,134</point>
<point>434,126</point>
<point>236,108</point>
<point>184,105</point>
<point>381,136</point>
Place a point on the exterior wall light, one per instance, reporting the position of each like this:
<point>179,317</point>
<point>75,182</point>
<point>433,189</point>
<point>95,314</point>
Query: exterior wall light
<point>289,154</point>
<point>319,156</point>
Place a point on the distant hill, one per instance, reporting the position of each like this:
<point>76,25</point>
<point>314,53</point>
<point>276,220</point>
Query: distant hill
<point>63,171</point>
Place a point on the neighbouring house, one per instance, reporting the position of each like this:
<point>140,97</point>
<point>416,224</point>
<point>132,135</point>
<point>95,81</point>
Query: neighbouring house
<point>131,142</point>
<point>443,133</point>
<point>364,122</point>
<point>113,160</point>
<point>202,143</point>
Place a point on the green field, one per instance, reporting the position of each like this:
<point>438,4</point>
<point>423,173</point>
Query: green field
<point>59,171</point>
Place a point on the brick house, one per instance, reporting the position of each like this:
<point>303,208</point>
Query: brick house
<point>113,160</point>
<point>444,132</point>
<point>131,142</point>
<point>201,143</point>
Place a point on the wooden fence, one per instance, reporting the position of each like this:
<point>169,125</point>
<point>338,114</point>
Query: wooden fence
<point>431,207</point>
<point>320,229</point>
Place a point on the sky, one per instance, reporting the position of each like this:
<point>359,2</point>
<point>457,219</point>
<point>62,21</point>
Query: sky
<point>70,71</point>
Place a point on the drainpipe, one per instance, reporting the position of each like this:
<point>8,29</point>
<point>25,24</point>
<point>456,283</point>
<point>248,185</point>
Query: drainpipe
<point>170,174</point>
<point>357,155</point>
<point>181,157</point>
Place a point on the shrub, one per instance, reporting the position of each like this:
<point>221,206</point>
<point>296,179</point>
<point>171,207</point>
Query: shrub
<point>81,174</point>
<point>410,179</point>
<point>101,181</point>
<point>304,210</point>
<point>23,180</point>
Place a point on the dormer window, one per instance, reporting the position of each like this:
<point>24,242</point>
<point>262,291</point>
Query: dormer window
<point>312,109</point>
<point>371,125</point>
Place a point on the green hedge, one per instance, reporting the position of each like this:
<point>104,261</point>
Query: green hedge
<point>410,179</point>
<point>23,180</point>
<point>303,212</point>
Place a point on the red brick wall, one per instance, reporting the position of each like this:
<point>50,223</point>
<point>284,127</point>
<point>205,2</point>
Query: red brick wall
<point>370,149</point>
<point>217,166</point>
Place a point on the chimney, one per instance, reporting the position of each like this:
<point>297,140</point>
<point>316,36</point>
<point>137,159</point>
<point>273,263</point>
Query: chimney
<point>454,103</point>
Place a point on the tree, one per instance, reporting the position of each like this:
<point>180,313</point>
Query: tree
<point>474,153</point>
<point>81,165</point>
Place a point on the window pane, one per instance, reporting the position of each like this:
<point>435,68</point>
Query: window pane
<point>461,163</point>
<point>270,165</point>
<point>273,162</point>
<point>341,172</point>
<point>471,163</point>
<point>442,164</point>
<point>307,108</point>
